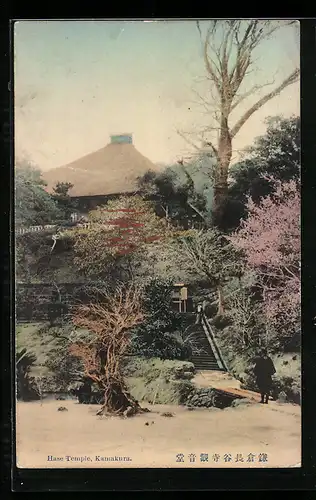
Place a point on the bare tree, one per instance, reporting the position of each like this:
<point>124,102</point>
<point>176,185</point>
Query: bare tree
<point>110,319</point>
<point>245,314</point>
<point>209,255</point>
<point>229,47</point>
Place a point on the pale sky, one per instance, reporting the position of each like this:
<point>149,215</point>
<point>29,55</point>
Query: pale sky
<point>77,82</point>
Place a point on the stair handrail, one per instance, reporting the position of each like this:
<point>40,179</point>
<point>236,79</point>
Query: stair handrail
<point>211,338</point>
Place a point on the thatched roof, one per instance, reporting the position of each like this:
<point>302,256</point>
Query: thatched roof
<point>112,169</point>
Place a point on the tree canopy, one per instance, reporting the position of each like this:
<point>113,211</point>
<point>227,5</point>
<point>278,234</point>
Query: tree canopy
<point>33,205</point>
<point>209,255</point>
<point>275,153</point>
<point>182,192</point>
<point>118,235</point>
<point>63,199</point>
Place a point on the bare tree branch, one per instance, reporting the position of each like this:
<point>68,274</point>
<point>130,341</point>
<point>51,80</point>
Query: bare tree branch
<point>181,134</point>
<point>292,78</point>
<point>208,61</point>
<point>252,90</point>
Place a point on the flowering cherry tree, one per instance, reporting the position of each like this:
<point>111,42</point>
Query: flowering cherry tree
<point>270,240</point>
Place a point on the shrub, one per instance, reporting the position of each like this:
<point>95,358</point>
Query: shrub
<point>159,381</point>
<point>53,369</point>
<point>151,369</point>
<point>159,391</point>
<point>65,368</point>
<point>26,385</point>
<point>220,321</point>
<point>288,377</point>
<point>210,309</point>
<point>160,334</point>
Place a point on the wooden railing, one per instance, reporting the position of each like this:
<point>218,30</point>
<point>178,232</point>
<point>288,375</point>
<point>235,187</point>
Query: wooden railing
<point>83,225</point>
<point>211,338</point>
<point>48,227</point>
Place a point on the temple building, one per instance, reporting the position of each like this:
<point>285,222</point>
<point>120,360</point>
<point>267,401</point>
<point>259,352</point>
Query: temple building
<point>104,174</point>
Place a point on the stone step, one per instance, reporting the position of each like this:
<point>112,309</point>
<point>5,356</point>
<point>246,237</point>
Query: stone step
<point>210,369</point>
<point>204,356</point>
<point>204,343</point>
<point>200,362</point>
<point>206,366</point>
<point>205,360</point>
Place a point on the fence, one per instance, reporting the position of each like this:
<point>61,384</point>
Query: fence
<point>49,227</point>
<point>43,301</point>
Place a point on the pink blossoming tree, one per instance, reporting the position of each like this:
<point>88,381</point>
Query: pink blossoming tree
<point>270,239</point>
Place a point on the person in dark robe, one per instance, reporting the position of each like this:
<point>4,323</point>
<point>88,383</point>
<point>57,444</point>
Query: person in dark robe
<point>84,392</point>
<point>263,370</point>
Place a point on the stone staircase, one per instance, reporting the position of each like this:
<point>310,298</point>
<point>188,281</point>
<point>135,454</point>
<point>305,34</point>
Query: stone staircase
<point>205,359</point>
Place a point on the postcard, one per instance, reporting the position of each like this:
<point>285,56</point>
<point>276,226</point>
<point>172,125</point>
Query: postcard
<point>157,243</point>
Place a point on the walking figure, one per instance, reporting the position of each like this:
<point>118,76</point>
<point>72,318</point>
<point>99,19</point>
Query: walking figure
<point>263,370</point>
<point>199,314</point>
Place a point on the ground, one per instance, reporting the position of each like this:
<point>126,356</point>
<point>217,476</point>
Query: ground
<point>154,440</point>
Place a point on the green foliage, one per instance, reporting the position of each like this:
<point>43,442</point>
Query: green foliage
<point>221,321</point>
<point>63,200</point>
<point>33,205</point>
<point>162,261</point>
<point>53,368</point>
<point>159,381</point>
<point>287,378</point>
<point>35,262</point>
<point>62,189</point>
<point>118,241</point>
<point>247,322</point>
<point>66,368</point>
<point>175,392</point>
<point>276,153</point>
<point>26,385</point>
<point>153,368</point>
<point>157,335</point>
<point>210,255</point>
<point>37,339</point>
<point>183,192</point>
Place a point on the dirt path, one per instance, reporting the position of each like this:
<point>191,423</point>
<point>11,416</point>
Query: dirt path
<point>226,382</point>
<point>272,430</point>
<point>213,378</point>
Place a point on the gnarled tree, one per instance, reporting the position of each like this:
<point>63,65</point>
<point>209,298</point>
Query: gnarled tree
<point>109,318</point>
<point>229,48</point>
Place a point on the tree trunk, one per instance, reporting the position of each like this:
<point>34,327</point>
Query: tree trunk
<point>220,310</point>
<point>167,212</point>
<point>167,215</point>
<point>221,173</point>
<point>117,398</point>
